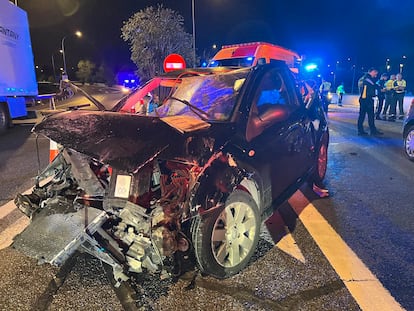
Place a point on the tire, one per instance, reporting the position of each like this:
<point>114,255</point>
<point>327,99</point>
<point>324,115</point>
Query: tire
<point>4,118</point>
<point>409,143</point>
<point>321,164</point>
<point>223,251</point>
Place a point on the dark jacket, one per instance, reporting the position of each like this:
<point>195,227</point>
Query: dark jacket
<point>369,88</point>
<point>381,87</point>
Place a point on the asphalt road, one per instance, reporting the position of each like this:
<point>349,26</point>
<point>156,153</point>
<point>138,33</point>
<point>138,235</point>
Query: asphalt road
<point>370,207</point>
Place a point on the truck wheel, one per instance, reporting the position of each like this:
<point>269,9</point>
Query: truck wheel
<point>225,241</point>
<point>4,118</point>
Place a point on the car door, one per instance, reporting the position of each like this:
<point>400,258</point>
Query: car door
<point>278,132</point>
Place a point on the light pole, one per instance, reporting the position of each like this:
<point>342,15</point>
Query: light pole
<point>78,34</point>
<point>194,46</point>
<point>353,79</point>
<point>336,71</point>
<point>54,68</point>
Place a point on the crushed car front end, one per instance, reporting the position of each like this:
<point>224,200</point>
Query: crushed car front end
<point>126,188</point>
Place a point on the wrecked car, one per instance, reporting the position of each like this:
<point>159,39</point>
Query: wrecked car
<point>184,169</point>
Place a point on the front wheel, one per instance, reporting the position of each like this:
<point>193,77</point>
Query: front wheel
<point>409,143</point>
<point>225,241</point>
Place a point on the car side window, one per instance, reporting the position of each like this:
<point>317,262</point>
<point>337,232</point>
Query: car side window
<point>270,102</point>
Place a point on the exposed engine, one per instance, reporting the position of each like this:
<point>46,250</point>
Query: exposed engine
<point>143,212</point>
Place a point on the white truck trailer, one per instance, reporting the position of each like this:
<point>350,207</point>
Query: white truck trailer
<point>17,71</point>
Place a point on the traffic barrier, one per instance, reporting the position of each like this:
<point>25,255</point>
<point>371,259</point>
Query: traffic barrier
<point>53,150</point>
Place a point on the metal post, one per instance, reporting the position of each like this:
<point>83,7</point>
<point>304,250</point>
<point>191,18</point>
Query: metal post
<point>353,79</point>
<point>63,55</point>
<point>54,69</point>
<point>194,44</point>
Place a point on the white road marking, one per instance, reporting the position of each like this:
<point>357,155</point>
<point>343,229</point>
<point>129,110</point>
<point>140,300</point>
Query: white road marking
<point>7,235</point>
<point>10,206</point>
<point>366,289</point>
<point>290,247</point>
<point>6,209</point>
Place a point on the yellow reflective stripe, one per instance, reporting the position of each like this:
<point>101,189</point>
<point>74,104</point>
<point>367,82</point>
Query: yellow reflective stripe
<point>364,92</point>
<point>389,84</point>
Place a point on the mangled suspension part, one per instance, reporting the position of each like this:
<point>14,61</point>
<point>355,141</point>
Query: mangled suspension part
<point>150,212</point>
<point>68,175</point>
<point>141,239</point>
<point>60,228</point>
<point>50,183</point>
<point>87,243</point>
<point>218,177</point>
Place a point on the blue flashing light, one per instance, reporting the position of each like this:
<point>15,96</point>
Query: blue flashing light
<point>126,81</point>
<point>311,67</point>
<point>250,58</point>
<point>204,64</point>
<point>132,81</point>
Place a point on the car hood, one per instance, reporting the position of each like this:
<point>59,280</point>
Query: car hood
<point>123,141</point>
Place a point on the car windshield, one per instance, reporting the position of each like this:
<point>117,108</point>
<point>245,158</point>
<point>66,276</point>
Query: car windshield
<point>232,62</point>
<point>210,97</point>
<point>215,95</point>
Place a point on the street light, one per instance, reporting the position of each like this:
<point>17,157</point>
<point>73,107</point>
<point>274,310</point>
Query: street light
<point>53,64</point>
<point>78,34</point>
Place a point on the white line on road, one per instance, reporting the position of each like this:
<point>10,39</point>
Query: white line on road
<point>366,289</point>
<point>7,235</point>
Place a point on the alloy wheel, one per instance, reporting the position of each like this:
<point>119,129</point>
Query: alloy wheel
<point>233,234</point>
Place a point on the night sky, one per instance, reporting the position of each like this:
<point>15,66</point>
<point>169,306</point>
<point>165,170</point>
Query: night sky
<point>366,31</point>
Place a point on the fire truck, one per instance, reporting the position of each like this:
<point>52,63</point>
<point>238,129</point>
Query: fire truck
<point>251,54</point>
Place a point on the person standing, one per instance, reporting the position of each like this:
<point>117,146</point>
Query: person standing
<point>340,91</point>
<point>381,95</point>
<point>399,87</point>
<point>324,90</point>
<point>366,104</point>
<point>361,82</point>
<point>390,104</point>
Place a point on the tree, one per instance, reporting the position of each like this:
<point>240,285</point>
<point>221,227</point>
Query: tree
<point>104,74</point>
<point>85,70</point>
<point>154,33</point>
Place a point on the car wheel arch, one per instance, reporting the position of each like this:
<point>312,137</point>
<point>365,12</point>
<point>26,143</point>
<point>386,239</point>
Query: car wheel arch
<point>223,177</point>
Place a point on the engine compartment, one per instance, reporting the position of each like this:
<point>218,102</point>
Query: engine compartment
<point>141,221</point>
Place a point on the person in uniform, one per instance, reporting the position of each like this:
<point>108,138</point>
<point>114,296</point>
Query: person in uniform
<point>390,104</point>
<point>381,95</point>
<point>324,90</point>
<point>399,87</point>
<point>366,104</point>
<point>340,91</point>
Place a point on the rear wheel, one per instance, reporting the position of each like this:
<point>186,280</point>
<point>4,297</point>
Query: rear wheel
<point>409,143</point>
<point>4,118</point>
<point>225,241</point>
